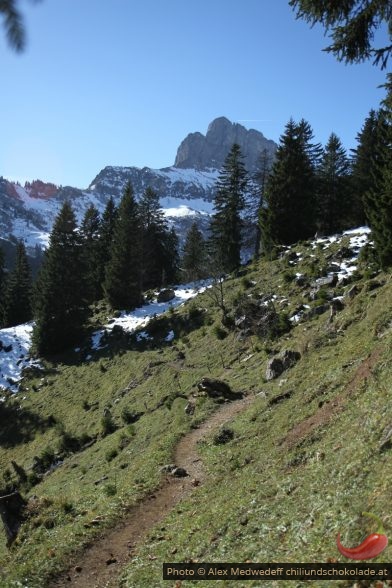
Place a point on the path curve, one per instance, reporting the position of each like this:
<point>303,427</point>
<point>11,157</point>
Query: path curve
<point>92,568</point>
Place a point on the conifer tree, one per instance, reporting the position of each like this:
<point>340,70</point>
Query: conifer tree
<point>91,252</point>
<point>194,254</point>
<point>226,223</point>
<point>108,223</point>
<point>351,25</point>
<point>290,212</point>
<point>123,272</point>
<point>171,261</point>
<point>378,200</point>
<point>17,306</point>
<point>333,188</point>
<point>153,239</point>
<point>367,163</point>
<point>256,198</point>
<point>61,307</point>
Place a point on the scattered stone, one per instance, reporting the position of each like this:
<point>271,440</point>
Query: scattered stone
<point>274,368</point>
<point>190,408</point>
<point>344,253</point>
<point>280,397</point>
<point>223,436</point>
<point>195,482</point>
<point>278,364</point>
<point>167,469</point>
<point>290,358</point>
<point>316,311</point>
<point>179,473</point>
<point>386,439</point>
<point>217,389</point>
<point>166,294</point>
<point>325,281</point>
<point>336,304</point>
<point>352,292</point>
<point>333,268</point>
<point>301,281</point>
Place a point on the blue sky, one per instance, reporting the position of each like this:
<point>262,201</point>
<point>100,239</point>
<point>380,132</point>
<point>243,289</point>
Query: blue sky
<point>122,82</point>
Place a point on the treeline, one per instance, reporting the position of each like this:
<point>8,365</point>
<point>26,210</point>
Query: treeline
<point>308,189</point>
<point>115,256</point>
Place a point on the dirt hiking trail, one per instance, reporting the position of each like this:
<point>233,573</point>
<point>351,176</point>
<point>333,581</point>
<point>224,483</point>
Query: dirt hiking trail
<point>100,565</point>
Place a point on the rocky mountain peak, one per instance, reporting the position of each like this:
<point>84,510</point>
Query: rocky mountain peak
<point>208,151</point>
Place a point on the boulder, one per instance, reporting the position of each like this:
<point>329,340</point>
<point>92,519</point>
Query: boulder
<point>316,311</point>
<point>278,364</point>
<point>274,368</point>
<point>166,295</point>
<point>300,281</point>
<point>353,291</point>
<point>325,281</point>
<point>289,358</point>
<point>386,439</point>
<point>217,389</point>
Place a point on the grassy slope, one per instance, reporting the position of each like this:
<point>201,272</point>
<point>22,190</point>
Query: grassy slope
<point>273,501</point>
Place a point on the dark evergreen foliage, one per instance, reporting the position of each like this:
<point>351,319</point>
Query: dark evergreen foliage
<point>194,255</point>
<point>334,188</point>
<point>256,197</point>
<point>171,261</point>
<point>122,284</point>
<point>90,232</point>
<point>290,211</point>
<point>17,307</point>
<point>226,223</point>
<point>13,24</point>
<point>61,306</point>
<point>351,24</point>
<point>378,200</point>
<point>367,164</point>
<point>108,223</point>
<point>153,239</point>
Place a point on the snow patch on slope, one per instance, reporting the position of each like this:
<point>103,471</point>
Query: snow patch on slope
<point>130,321</point>
<point>17,340</point>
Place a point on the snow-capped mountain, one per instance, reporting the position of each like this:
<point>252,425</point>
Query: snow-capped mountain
<point>186,190</point>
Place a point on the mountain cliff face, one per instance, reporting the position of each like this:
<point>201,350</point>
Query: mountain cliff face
<point>203,152</point>
<point>186,190</point>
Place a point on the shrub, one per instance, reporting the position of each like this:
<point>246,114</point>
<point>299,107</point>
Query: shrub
<point>129,416</point>
<point>246,283</point>
<point>288,276</point>
<point>110,490</point>
<point>219,332</point>
<point>223,436</point>
<point>111,454</point>
<point>108,424</point>
<point>47,458</point>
